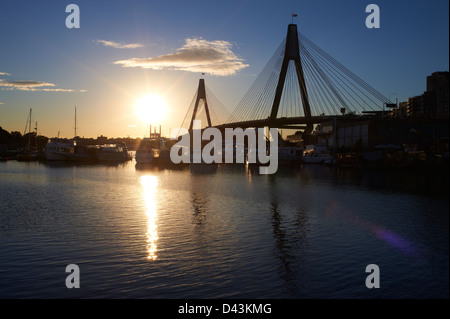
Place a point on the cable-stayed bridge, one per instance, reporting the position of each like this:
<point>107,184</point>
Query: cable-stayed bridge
<point>301,85</point>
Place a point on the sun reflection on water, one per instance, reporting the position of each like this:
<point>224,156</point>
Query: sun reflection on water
<point>150,184</point>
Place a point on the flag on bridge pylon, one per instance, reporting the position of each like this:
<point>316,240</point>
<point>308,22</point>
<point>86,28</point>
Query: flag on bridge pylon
<point>293,15</point>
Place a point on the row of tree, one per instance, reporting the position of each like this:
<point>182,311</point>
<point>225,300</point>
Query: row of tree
<point>16,141</point>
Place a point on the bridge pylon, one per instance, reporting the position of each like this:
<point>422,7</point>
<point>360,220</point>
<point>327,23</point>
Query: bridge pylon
<point>201,96</point>
<point>292,53</point>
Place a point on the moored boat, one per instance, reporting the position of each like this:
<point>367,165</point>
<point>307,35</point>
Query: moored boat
<point>350,159</point>
<point>152,149</point>
<point>26,156</point>
<point>113,153</point>
<point>84,154</point>
<point>30,153</point>
<point>289,155</point>
<point>148,151</point>
<point>59,149</point>
<point>317,154</point>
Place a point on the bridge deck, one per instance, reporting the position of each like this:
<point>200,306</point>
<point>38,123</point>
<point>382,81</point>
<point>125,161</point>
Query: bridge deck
<point>289,122</point>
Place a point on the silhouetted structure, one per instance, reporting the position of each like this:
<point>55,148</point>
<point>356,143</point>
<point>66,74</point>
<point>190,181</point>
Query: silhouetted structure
<point>201,97</point>
<point>433,103</point>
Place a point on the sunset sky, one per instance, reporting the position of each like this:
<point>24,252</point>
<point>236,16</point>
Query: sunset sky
<point>126,50</point>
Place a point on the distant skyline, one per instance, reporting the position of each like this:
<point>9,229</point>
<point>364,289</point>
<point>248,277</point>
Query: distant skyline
<point>127,51</point>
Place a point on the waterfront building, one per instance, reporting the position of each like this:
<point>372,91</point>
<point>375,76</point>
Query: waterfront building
<point>343,133</point>
<point>438,90</point>
<point>433,103</point>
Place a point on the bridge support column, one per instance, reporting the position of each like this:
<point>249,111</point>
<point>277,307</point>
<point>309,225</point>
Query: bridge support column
<point>292,53</point>
<point>201,95</point>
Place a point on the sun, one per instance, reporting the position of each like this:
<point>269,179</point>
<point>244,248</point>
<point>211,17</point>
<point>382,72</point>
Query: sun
<point>151,108</point>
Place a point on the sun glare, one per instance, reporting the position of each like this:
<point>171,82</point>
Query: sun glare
<point>151,109</point>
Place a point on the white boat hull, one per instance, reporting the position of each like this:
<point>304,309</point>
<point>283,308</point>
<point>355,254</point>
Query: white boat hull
<point>59,149</point>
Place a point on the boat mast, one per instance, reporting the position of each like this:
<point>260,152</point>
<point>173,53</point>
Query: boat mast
<point>29,133</point>
<point>35,136</point>
<point>75,128</point>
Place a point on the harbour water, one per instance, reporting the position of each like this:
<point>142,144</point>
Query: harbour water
<point>304,232</point>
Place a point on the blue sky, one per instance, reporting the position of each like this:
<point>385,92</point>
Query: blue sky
<point>50,68</point>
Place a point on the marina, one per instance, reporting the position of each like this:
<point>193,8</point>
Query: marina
<point>236,151</point>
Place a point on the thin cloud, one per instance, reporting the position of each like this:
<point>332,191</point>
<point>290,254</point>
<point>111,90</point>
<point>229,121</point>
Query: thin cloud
<point>24,84</point>
<point>119,45</point>
<point>4,73</point>
<point>33,86</point>
<point>196,55</point>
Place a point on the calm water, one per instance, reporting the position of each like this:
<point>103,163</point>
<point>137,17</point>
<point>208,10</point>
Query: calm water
<point>307,232</point>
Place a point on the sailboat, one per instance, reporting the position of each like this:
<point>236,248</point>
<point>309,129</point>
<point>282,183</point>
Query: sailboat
<point>28,154</point>
<point>82,153</point>
<point>61,149</point>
